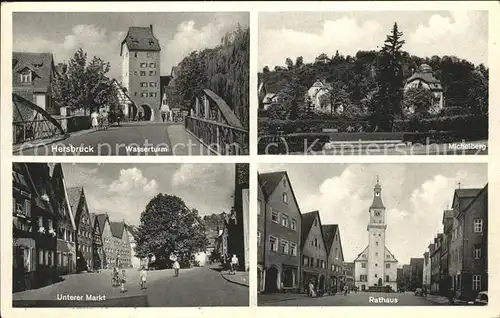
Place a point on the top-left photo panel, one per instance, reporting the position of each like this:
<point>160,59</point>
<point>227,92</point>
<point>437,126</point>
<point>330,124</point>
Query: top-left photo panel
<point>129,84</point>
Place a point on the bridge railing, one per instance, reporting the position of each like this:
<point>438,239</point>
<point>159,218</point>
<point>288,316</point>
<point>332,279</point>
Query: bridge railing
<point>36,129</point>
<point>219,137</point>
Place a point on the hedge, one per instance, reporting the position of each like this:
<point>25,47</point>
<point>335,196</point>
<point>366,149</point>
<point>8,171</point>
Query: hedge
<point>77,123</point>
<point>461,123</point>
<point>286,144</point>
<point>267,126</point>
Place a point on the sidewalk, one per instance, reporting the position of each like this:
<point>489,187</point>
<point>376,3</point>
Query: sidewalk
<point>240,278</point>
<point>277,297</point>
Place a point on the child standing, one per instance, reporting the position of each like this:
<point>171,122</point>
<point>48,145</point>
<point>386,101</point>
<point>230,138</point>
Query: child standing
<point>176,267</point>
<point>123,279</point>
<point>143,278</point>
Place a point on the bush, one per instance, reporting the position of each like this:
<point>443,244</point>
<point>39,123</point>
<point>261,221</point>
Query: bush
<point>460,123</point>
<point>268,126</point>
<point>77,123</point>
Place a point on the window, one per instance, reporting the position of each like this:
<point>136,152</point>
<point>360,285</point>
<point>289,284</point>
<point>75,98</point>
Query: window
<point>477,252</point>
<point>317,262</point>
<point>149,54</point>
<point>376,265</point>
<point>135,72</point>
<point>273,246</point>
<point>144,84</point>
<point>293,249</point>
<point>284,247</point>
<point>316,242</point>
<point>135,93</point>
<point>305,261</point>
<point>284,182</point>
<point>323,264</point>
<point>315,222</point>
<point>27,208</point>
<point>274,216</point>
<point>152,65</point>
<point>363,256</point>
<point>144,94</point>
<point>376,275</point>
<point>363,265</point>
<point>285,197</point>
<point>336,253</point>
<point>363,278</point>
<point>135,54</point>
<point>40,221</point>
<point>476,282</point>
<point>388,265</point>
<point>376,254</point>
<point>144,65</point>
<point>152,94</point>
<point>143,73</point>
<point>376,243</point>
<point>294,225</point>
<point>386,278</point>
<point>478,225</point>
<point>284,220</point>
<point>333,268</point>
<point>26,77</point>
<point>259,206</point>
<point>40,257</point>
<point>152,84</point>
<point>152,73</point>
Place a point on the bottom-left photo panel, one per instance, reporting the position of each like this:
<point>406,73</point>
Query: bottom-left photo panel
<point>130,235</point>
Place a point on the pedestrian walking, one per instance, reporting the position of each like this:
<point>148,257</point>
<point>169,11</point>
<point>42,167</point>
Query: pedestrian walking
<point>95,120</point>
<point>163,115</point>
<point>312,293</point>
<point>234,263</point>
<point>176,267</point>
<point>346,289</point>
<point>123,280</point>
<point>143,276</point>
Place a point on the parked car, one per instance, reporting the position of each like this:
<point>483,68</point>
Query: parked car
<point>419,292</point>
<point>482,298</point>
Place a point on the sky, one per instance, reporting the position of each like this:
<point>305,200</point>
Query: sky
<point>101,34</point>
<point>308,34</point>
<point>415,196</point>
<point>124,190</point>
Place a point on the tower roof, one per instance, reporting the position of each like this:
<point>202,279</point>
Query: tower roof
<point>377,199</point>
<point>141,39</point>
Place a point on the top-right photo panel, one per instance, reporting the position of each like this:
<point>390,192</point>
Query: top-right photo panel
<point>373,83</point>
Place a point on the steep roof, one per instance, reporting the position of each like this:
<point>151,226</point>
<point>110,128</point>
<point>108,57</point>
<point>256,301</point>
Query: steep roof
<point>117,229</point>
<point>465,193</point>
<point>74,195</point>
<point>42,66</point>
<point>101,219</point>
<point>426,77</point>
<point>132,230</point>
<point>92,219</point>
<point>484,189</point>
<point>358,258</point>
<point>307,222</point>
<point>329,232</point>
<point>141,39</point>
<point>269,181</point>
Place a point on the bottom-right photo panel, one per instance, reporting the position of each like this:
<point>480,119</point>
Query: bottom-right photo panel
<point>372,234</point>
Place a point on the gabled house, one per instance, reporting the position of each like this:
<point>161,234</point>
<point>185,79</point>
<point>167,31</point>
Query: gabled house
<point>314,252</point>
<point>121,244</point>
<point>44,222</point>
<point>318,95</point>
<point>32,78</point>
<point>323,59</point>
<point>109,253</point>
<point>127,105</point>
<point>66,227</point>
<point>279,228</point>
<point>97,246</point>
<point>136,261</point>
<point>335,257</point>
<point>423,78</point>
<point>84,228</point>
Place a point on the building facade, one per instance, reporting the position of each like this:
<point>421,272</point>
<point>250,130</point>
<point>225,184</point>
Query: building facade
<point>84,229</point>
<point>349,275</point>
<point>32,78</point>
<point>279,233</point>
<point>135,261</point>
<point>314,252</point>
<point>66,227</point>
<point>416,273</point>
<point>426,276</point>
<point>97,246</point>
<point>140,52</point>
<point>120,244</point>
<point>423,78</point>
<point>335,264</point>
<point>435,259</point>
<point>376,266</point>
<point>109,252</point>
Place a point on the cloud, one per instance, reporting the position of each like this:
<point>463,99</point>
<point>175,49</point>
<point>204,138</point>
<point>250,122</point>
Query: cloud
<point>93,39</point>
<point>414,207</point>
<point>132,180</point>
<point>344,34</point>
<point>201,183</point>
<point>464,34</point>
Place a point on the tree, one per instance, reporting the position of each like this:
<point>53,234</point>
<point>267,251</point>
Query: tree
<point>418,101</point>
<point>299,61</point>
<point>168,226</point>
<point>386,105</point>
<point>265,69</point>
<point>84,85</point>
<point>289,63</point>
<point>191,79</point>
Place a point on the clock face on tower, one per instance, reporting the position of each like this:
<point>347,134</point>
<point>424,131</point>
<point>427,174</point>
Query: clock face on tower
<point>377,194</point>
<point>377,213</point>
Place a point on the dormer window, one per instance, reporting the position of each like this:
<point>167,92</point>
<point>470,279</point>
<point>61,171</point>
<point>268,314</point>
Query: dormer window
<point>26,76</point>
<point>37,65</point>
